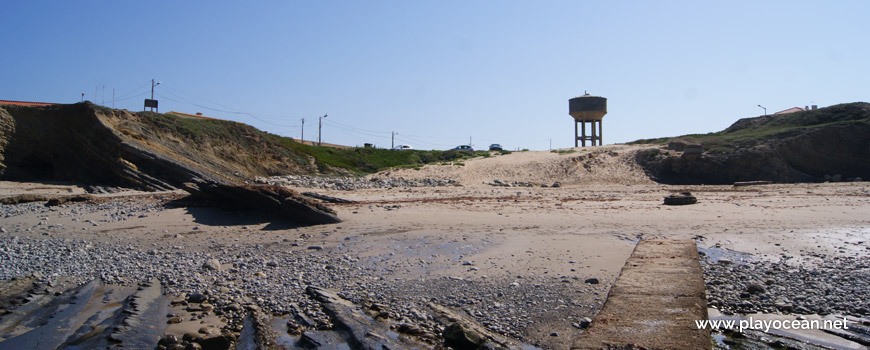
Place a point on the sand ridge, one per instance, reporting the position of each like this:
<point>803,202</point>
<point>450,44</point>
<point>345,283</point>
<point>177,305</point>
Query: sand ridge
<point>599,165</point>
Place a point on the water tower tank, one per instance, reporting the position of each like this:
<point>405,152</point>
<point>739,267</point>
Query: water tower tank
<point>587,108</point>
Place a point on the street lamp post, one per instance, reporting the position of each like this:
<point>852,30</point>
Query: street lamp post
<point>303,130</point>
<point>319,127</point>
<point>765,109</point>
<point>152,93</point>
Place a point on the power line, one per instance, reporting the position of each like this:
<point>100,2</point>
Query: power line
<point>252,115</point>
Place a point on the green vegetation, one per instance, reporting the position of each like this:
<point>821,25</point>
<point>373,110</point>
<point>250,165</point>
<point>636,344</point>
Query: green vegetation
<point>563,151</point>
<point>749,131</point>
<point>358,160</point>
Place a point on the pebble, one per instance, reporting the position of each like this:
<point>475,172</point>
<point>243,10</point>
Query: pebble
<point>830,284</point>
<point>351,183</point>
<point>502,304</point>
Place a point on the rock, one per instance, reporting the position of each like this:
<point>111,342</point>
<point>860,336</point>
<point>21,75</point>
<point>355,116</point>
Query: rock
<point>218,342</point>
<point>168,340</point>
<point>191,337</point>
<point>193,346</point>
<point>755,289</point>
<point>585,322</point>
<point>693,150</point>
<point>196,297</point>
<point>278,200</point>
<point>592,280</point>
<point>684,198</point>
<point>212,264</point>
<point>556,184</point>
<point>461,338</point>
<point>725,261</point>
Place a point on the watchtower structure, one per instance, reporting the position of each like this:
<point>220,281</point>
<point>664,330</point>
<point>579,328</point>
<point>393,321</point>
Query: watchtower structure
<point>587,109</point>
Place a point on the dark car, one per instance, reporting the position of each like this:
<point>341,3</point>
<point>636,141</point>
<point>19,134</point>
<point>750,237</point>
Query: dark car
<point>463,148</point>
<point>495,147</point>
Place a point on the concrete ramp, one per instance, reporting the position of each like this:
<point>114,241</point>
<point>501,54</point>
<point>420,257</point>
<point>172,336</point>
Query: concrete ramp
<point>655,301</point>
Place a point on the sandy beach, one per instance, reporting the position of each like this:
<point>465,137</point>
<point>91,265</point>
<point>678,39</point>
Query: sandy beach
<point>518,260</point>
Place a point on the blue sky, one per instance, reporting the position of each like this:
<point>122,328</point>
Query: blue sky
<point>441,72</point>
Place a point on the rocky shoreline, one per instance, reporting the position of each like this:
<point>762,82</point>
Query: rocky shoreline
<point>350,183</point>
<point>826,285</point>
<point>229,280</point>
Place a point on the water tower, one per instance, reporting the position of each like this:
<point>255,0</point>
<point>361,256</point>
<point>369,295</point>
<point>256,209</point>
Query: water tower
<point>587,109</point>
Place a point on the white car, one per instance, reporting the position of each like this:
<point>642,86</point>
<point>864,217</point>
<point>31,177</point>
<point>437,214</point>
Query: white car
<point>403,148</point>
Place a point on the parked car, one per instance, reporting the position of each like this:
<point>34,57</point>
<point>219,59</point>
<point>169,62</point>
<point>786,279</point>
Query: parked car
<point>495,147</point>
<point>403,148</point>
<point>463,148</point>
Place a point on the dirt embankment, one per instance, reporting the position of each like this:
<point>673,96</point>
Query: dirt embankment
<point>88,144</point>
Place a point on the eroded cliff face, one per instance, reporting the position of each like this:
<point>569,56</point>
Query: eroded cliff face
<point>92,145</point>
<point>834,142</point>
<point>71,143</point>
<point>89,144</point>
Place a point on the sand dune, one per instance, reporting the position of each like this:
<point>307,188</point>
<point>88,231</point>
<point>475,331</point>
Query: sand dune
<point>601,165</point>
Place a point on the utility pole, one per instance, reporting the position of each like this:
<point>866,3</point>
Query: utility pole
<point>152,94</point>
<point>83,97</point>
<point>319,127</point>
<point>303,130</point>
<point>393,141</point>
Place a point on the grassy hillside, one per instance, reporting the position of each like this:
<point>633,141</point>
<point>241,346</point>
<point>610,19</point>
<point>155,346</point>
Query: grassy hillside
<point>307,159</point>
<point>748,132</point>
<point>797,147</point>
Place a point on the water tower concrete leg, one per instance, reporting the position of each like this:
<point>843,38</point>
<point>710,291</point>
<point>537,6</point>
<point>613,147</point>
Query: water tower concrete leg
<point>592,126</point>
<point>583,133</point>
<point>600,133</point>
<point>576,137</point>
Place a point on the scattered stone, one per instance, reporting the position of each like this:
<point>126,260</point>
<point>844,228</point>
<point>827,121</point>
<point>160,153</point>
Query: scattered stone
<point>461,338</point>
<point>196,298</point>
<point>212,264</point>
<point>755,289</point>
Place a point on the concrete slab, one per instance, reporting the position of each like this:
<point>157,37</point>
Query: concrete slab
<point>654,303</point>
